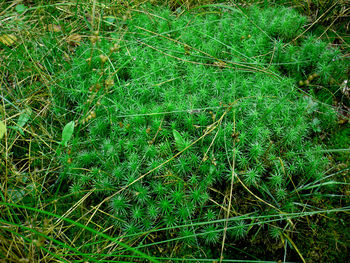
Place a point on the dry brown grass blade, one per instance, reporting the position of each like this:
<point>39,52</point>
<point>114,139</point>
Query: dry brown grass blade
<point>231,190</point>
<point>295,247</point>
<point>313,23</point>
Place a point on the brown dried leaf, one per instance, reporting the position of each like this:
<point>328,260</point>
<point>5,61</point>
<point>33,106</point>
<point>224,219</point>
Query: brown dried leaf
<point>66,57</point>
<point>73,40</point>
<point>220,64</point>
<point>2,129</point>
<point>345,89</point>
<point>205,157</point>
<point>54,28</point>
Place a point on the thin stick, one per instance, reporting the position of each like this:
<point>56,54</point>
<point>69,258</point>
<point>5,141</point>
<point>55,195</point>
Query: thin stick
<point>231,190</point>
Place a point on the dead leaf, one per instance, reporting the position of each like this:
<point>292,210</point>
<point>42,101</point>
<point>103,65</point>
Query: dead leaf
<point>73,40</point>
<point>2,129</point>
<point>213,161</point>
<point>205,157</point>
<point>54,28</point>
<point>66,57</point>
<point>220,64</point>
<point>345,89</point>
<point>8,39</point>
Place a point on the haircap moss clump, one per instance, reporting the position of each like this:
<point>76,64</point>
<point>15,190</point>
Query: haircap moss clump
<point>178,100</point>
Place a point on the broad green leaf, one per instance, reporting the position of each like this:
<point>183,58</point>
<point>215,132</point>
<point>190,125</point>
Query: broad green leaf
<point>15,195</point>
<point>110,19</point>
<point>24,117</point>
<point>179,140</point>
<point>2,129</point>
<point>22,120</point>
<point>21,8</point>
<point>67,133</point>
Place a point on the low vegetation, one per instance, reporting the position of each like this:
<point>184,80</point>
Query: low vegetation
<point>145,132</point>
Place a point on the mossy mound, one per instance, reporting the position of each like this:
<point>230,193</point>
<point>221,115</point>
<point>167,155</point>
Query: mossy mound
<point>167,108</point>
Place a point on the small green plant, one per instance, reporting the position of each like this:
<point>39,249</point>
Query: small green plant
<point>67,133</point>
